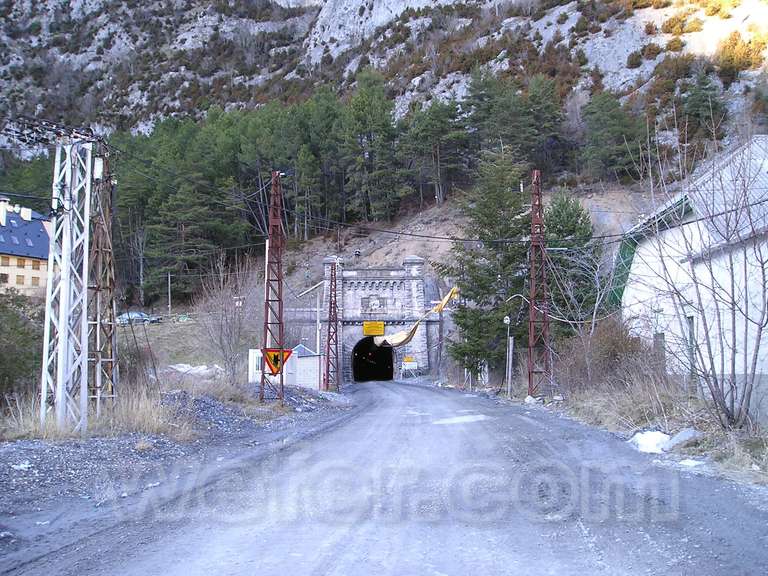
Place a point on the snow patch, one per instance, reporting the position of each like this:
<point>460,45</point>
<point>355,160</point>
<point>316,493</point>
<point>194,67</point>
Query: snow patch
<point>691,463</point>
<point>206,371</point>
<point>650,442</point>
<point>463,419</point>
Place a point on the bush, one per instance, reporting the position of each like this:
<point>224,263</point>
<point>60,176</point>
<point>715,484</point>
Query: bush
<point>613,379</point>
<point>650,51</point>
<point>634,59</point>
<point>680,24</point>
<point>734,54</point>
<point>651,29</point>
<point>21,335</point>
<point>675,45</point>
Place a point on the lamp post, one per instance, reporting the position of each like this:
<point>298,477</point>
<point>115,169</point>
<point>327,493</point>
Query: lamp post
<point>508,372</point>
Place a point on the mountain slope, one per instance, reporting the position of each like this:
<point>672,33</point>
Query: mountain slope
<point>124,63</point>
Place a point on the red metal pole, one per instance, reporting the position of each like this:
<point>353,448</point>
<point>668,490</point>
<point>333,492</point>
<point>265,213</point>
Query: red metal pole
<point>274,329</point>
<point>539,369</point>
<point>331,375</point>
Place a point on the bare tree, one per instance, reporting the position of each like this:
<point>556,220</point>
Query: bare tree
<point>582,281</point>
<point>228,309</point>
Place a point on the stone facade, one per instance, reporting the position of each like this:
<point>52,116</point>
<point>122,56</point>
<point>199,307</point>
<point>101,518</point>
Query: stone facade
<point>393,295</point>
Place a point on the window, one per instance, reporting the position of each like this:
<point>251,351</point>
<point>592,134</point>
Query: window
<point>35,264</point>
<point>15,240</point>
<point>20,280</point>
<point>35,281</point>
<point>20,263</point>
<point>5,261</point>
<point>28,242</point>
<point>3,278</point>
<point>14,223</point>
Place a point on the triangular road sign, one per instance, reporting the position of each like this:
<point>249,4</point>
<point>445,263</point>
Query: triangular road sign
<point>275,358</point>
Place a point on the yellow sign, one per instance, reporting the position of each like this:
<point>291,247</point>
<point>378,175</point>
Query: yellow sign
<point>373,328</point>
<point>409,359</point>
<point>275,358</point>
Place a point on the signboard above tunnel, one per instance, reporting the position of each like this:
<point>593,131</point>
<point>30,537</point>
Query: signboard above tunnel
<point>373,328</point>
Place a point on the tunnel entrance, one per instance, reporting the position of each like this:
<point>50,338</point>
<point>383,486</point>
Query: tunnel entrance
<point>371,362</point>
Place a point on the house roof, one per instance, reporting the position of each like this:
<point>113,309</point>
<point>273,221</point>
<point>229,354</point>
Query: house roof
<point>729,193</point>
<point>722,191</point>
<point>26,239</point>
<point>301,351</point>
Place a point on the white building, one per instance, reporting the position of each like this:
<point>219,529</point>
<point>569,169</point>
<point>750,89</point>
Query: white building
<point>303,368</point>
<point>696,271</point>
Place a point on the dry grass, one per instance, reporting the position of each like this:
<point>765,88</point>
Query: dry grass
<point>628,390</point>
<point>216,387</point>
<point>138,410</point>
<point>642,402</point>
<point>739,453</point>
<point>141,410</point>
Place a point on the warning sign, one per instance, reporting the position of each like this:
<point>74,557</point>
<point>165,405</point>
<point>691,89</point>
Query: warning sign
<point>275,358</point>
<point>373,328</point>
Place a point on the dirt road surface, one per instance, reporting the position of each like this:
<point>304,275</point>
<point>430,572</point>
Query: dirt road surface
<point>419,480</point>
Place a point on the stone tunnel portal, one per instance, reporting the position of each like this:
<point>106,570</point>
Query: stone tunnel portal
<point>372,362</point>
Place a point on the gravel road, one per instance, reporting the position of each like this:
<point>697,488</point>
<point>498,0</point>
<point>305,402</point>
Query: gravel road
<point>419,480</point>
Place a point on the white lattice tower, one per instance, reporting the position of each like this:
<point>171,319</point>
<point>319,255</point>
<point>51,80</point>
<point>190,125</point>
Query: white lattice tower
<point>65,350</point>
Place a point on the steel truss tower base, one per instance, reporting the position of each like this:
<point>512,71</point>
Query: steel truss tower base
<point>539,360</point>
<point>331,373</point>
<point>274,329</point>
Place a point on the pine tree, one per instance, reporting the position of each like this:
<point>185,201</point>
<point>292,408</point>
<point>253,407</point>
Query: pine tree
<point>436,138</point>
<point>572,258</point>
<point>368,149</point>
<point>613,137</point>
<point>547,115</point>
<point>704,110</point>
<point>490,271</point>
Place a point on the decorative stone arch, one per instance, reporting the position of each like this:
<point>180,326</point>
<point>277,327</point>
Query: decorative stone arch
<point>392,295</point>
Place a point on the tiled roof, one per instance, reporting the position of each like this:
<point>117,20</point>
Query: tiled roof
<point>25,239</point>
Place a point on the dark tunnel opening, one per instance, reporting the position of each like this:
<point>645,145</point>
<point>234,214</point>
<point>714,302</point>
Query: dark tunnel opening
<point>371,362</point>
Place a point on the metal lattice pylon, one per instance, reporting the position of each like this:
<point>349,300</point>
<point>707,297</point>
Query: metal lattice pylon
<point>80,344</point>
<point>331,373</point>
<point>102,306</point>
<point>539,364</point>
<point>65,349</point>
<point>274,329</point>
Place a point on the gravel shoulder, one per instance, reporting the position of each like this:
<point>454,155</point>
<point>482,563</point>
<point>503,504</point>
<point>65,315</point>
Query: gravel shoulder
<point>50,487</point>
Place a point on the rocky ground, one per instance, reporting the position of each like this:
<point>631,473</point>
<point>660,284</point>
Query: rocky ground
<point>41,479</point>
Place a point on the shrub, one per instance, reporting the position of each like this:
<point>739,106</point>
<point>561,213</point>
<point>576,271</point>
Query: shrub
<point>650,51</point>
<point>679,24</point>
<point>562,19</point>
<point>734,54</point>
<point>21,338</point>
<point>675,45</point>
<point>651,29</point>
<point>694,25</point>
<point>634,59</point>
